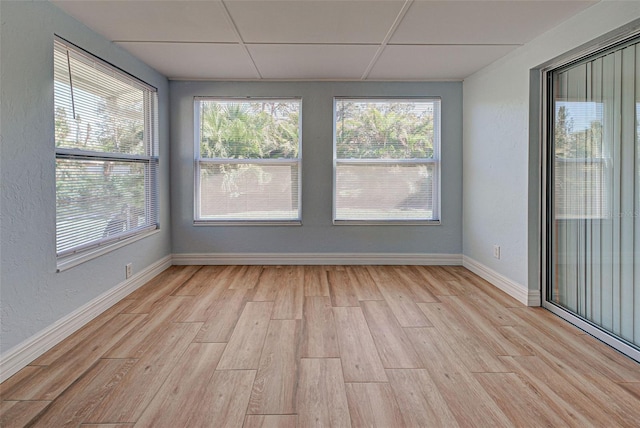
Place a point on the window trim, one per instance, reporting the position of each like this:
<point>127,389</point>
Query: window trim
<point>436,160</point>
<point>78,254</point>
<point>197,161</point>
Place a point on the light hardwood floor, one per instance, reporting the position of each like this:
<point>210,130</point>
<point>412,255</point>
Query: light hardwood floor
<point>320,346</point>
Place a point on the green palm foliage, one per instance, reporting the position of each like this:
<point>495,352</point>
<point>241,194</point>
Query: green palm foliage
<point>249,130</point>
<point>384,130</point>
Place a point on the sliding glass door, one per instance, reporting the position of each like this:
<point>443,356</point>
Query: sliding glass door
<point>593,193</point>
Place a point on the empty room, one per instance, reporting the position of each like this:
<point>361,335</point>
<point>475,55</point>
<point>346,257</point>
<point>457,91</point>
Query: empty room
<point>327,213</point>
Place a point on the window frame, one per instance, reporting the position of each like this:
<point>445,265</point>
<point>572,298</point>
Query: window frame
<point>198,161</point>
<point>80,253</point>
<point>436,161</point>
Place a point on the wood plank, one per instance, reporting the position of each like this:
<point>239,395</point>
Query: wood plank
<point>477,322</point>
<point>89,329</point>
<point>594,355</point>
<point>290,296</point>
<point>393,345</point>
<point>633,388</point>
<point>223,317</point>
<point>268,284</point>
<point>181,395</point>
<point>343,292</point>
<point>106,425</point>
<point>598,388</point>
<point>17,414</point>
<point>497,314</point>
<point>473,283</point>
<point>520,402</point>
<point>213,285</point>
<point>22,377</point>
<point>365,287</point>
<point>414,284</point>
<point>398,297</point>
<point>127,401</point>
<point>48,383</point>
<point>468,401</point>
<point>434,285</point>
<point>360,360</point>
<point>136,344</point>
<point>319,337</point>
<point>546,322</point>
<point>274,390</point>
<point>473,353</point>
<point>373,405</point>
<point>316,282</point>
<point>222,403</point>
<point>201,282</point>
<point>419,400</point>
<point>92,387</point>
<point>270,421</point>
<point>608,361</point>
<point>160,287</point>
<point>245,344</point>
<point>322,399</point>
<point>576,407</point>
<point>246,277</point>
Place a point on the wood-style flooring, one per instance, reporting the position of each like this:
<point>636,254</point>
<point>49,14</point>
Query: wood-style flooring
<point>321,346</point>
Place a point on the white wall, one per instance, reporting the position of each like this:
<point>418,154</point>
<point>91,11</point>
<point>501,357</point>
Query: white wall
<point>499,206</point>
<point>33,295</point>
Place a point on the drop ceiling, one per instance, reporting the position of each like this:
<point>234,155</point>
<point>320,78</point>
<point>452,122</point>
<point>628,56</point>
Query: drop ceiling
<point>321,40</point>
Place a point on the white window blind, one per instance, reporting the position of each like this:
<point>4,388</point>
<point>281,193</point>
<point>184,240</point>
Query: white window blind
<point>106,152</point>
<point>387,160</point>
<point>248,160</point>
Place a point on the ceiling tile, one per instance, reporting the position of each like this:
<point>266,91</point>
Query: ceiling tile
<point>312,61</point>
<point>434,62</point>
<point>183,21</point>
<point>482,22</point>
<point>314,21</point>
<point>195,60</point>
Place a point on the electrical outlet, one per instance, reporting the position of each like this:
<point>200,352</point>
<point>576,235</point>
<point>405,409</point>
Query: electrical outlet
<point>496,251</point>
<point>128,269</point>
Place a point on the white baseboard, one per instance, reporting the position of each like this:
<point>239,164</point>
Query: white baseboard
<point>535,298</point>
<point>24,353</point>
<point>512,288</point>
<point>315,259</point>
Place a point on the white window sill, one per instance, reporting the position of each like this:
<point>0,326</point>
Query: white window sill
<point>73,260</point>
<point>247,223</point>
<point>386,222</point>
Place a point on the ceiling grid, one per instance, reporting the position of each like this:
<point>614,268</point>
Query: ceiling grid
<point>355,40</point>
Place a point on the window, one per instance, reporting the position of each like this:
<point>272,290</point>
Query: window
<point>592,191</point>
<point>386,160</point>
<point>106,153</point>
<point>247,161</point>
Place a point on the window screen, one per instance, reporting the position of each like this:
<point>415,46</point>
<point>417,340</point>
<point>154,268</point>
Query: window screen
<point>106,152</point>
<point>386,159</point>
<point>248,160</point>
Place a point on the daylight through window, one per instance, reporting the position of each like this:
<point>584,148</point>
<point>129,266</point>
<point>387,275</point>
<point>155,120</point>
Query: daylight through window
<point>248,160</point>
<point>387,160</point>
<point>106,153</point>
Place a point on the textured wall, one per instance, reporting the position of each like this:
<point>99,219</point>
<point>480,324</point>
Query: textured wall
<point>33,295</point>
<point>317,234</point>
<point>499,208</point>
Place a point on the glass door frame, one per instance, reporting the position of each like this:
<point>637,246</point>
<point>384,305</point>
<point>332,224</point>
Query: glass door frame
<point>610,42</point>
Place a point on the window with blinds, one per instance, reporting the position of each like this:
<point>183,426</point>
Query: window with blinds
<point>106,153</point>
<point>248,161</point>
<point>386,160</point>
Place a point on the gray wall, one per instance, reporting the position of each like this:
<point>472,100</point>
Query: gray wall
<point>33,295</point>
<point>317,234</point>
<point>501,168</point>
